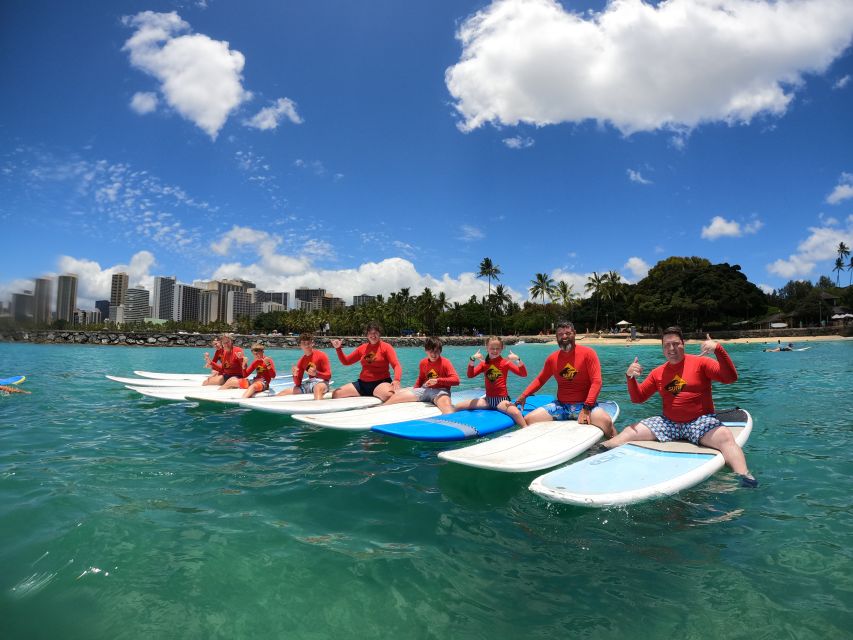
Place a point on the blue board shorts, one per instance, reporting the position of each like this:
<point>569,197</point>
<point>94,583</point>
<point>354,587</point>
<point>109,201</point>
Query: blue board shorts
<point>308,385</point>
<point>564,410</point>
<point>429,394</point>
<point>366,389</point>
<point>666,430</point>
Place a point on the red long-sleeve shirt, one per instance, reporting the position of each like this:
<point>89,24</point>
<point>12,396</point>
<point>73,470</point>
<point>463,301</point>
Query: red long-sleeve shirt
<point>321,363</point>
<point>232,364</point>
<point>441,370</point>
<point>685,388</point>
<point>376,360</point>
<point>578,375</point>
<point>265,369</point>
<point>495,372</point>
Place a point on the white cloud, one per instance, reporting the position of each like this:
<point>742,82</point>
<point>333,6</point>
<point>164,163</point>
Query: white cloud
<point>636,176</point>
<point>641,66</point>
<point>315,166</point>
<point>843,190</point>
<point>93,281</point>
<point>270,117</point>
<point>144,102</point>
<point>638,267</point>
<point>766,288</point>
<point>517,142</point>
<point>842,82</point>
<point>819,246</point>
<point>720,227</point>
<point>470,233</point>
<point>200,78</point>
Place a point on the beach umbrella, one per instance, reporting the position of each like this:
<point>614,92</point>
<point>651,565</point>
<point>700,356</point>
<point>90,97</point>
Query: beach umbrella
<point>839,316</point>
<point>623,323</point>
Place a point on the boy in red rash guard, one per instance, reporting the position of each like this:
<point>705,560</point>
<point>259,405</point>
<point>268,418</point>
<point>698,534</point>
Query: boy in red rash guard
<point>214,377</point>
<point>376,358</point>
<point>495,369</point>
<point>578,374</point>
<point>684,384</point>
<point>231,365</point>
<point>435,377</point>
<point>265,373</point>
<point>314,364</point>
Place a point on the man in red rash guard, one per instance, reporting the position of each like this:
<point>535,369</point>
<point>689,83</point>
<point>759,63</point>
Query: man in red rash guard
<point>495,369</point>
<point>435,377</point>
<point>376,357</point>
<point>313,364</point>
<point>231,365</point>
<point>578,373</point>
<point>684,384</point>
<point>265,373</point>
<point>214,377</point>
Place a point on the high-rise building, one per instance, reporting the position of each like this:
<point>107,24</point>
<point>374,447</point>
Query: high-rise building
<point>66,297</point>
<point>239,305</point>
<point>357,301</point>
<point>311,299</point>
<point>164,298</point>
<point>280,297</point>
<point>223,287</point>
<point>331,302</point>
<point>104,307</point>
<point>22,307</point>
<point>208,306</point>
<point>137,308</point>
<point>118,288</point>
<point>186,303</point>
<point>41,310</point>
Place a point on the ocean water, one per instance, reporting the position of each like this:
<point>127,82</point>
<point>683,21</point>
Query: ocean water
<point>123,517</point>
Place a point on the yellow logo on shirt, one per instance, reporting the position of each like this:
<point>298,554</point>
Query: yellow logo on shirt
<point>370,356</point>
<point>568,372</point>
<point>676,385</point>
<point>432,374</point>
<point>493,373</point>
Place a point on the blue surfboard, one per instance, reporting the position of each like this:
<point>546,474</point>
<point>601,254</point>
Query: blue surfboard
<point>461,425</point>
<point>13,380</point>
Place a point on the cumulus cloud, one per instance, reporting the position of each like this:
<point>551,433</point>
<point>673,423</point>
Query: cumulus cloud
<point>271,117</point>
<point>517,142</point>
<point>94,281</point>
<point>642,66</point>
<point>636,176</point>
<point>144,102</point>
<point>638,267</point>
<point>720,227</point>
<point>200,78</point>
<point>843,190</point>
<point>819,247</point>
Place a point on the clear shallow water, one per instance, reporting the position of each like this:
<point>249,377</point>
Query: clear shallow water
<point>126,517</point>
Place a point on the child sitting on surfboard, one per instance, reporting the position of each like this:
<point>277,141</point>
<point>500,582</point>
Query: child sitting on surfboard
<point>265,372</point>
<point>435,377</point>
<point>315,366</point>
<point>208,362</point>
<point>495,369</point>
<point>230,363</point>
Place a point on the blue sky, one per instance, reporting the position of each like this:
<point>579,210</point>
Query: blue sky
<point>371,146</point>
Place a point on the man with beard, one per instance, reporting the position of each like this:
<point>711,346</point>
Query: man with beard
<point>578,374</point>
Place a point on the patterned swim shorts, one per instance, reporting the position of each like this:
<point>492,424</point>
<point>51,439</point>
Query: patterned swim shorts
<point>494,402</point>
<point>666,430</point>
<point>564,410</point>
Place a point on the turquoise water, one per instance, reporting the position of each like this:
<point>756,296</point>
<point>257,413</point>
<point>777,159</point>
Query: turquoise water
<point>122,517</point>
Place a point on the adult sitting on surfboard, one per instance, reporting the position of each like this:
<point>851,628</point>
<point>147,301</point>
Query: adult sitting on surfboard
<point>230,365</point>
<point>313,364</point>
<point>578,374</point>
<point>376,359</point>
<point>495,368</point>
<point>435,377</point>
<point>684,384</point>
<point>262,365</point>
<point>208,362</point>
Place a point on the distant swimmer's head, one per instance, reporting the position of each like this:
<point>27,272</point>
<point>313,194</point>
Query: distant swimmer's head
<point>672,341</point>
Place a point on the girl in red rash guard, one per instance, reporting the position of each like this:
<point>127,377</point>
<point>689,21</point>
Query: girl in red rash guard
<point>495,369</point>
<point>376,358</point>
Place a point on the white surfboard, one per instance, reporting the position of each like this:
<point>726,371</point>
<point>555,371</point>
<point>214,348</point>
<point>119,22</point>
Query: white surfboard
<point>235,400</point>
<point>638,471</point>
<point>199,377</point>
<point>310,406</point>
<point>364,419</point>
<point>540,446</point>
<point>179,394</point>
<point>278,384</point>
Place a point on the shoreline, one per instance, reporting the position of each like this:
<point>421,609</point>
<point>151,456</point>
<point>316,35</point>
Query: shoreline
<point>591,340</point>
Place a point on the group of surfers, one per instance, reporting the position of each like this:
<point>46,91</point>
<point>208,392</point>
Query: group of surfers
<point>683,382</point>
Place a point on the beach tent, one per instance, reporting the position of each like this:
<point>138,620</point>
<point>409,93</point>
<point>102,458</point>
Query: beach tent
<point>624,323</point>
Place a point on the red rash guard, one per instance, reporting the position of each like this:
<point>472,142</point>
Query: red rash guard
<point>231,365</point>
<point>375,360</point>
<point>265,367</point>
<point>495,374</point>
<point>320,361</point>
<point>441,370</point>
<point>685,388</point>
<point>217,355</point>
<point>578,375</point>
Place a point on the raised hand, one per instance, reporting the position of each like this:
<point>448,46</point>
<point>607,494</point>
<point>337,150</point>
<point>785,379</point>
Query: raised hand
<point>635,369</point>
<point>336,343</point>
<point>708,346</point>
<point>513,356</point>
<point>294,370</point>
<point>478,355</point>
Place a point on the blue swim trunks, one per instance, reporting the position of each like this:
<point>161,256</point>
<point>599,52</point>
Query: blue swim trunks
<point>564,410</point>
<point>666,430</point>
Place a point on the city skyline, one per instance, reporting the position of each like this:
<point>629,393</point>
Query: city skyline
<point>394,146</point>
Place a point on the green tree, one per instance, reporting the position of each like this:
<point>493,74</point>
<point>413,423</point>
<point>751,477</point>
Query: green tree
<point>489,270</point>
<point>839,267</point>
<point>594,286</point>
<point>565,295</point>
<point>542,285</point>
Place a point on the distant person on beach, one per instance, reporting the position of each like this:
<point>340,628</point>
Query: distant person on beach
<point>230,362</point>
<point>316,368</point>
<point>577,371</point>
<point>217,357</point>
<point>377,358</point>
<point>263,367</point>
<point>436,376</point>
<point>684,384</point>
<point>495,369</point>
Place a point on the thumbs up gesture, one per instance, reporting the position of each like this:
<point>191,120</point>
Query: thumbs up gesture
<point>477,356</point>
<point>635,369</point>
<point>708,346</point>
<point>512,356</point>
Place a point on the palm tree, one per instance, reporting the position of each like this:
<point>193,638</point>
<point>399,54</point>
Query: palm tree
<point>839,267</point>
<point>565,294</point>
<point>489,270</point>
<point>850,269</point>
<point>543,286</point>
<point>612,289</point>
<point>594,286</point>
<point>843,251</point>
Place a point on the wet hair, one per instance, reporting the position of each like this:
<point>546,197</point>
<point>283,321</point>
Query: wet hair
<point>433,343</point>
<point>306,337</point>
<point>498,338</point>
<point>673,330</point>
<point>258,346</point>
<point>373,326</point>
<point>565,324</point>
